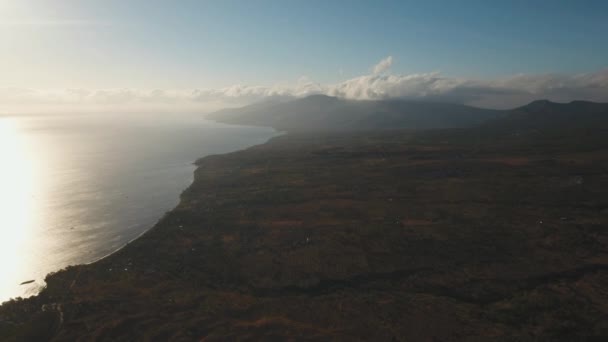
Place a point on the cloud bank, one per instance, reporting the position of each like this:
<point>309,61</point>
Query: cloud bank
<point>505,92</point>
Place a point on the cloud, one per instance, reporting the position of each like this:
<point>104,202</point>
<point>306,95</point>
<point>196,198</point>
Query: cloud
<point>504,92</point>
<point>239,94</point>
<point>383,65</point>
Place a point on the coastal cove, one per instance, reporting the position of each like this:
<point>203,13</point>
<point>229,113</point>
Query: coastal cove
<point>77,187</point>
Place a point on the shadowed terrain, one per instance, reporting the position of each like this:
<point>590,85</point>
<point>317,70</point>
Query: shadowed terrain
<point>498,232</point>
<point>327,113</point>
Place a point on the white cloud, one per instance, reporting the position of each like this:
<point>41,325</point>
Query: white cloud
<point>383,65</point>
<point>503,92</point>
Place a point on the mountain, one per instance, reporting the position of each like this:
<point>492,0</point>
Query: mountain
<point>543,117</point>
<point>326,113</point>
<point>544,114</point>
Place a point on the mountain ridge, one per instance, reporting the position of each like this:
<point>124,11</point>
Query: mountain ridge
<point>328,113</point>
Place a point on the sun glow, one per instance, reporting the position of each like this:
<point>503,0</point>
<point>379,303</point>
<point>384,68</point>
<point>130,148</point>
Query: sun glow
<point>16,203</point>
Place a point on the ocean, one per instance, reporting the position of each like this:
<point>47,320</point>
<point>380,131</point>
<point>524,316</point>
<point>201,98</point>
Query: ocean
<point>76,187</point>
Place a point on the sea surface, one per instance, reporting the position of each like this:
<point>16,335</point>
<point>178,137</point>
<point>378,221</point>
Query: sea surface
<point>74,188</point>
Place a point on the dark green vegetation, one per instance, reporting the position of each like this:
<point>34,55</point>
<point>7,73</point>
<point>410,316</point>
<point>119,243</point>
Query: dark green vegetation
<point>491,233</point>
<point>326,113</point>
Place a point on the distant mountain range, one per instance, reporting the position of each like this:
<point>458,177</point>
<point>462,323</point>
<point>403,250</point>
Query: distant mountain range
<point>326,113</point>
<point>546,115</point>
<point>320,112</point>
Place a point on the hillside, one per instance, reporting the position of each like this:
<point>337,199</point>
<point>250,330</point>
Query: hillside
<point>546,116</point>
<point>381,235</point>
<point>325,113</point>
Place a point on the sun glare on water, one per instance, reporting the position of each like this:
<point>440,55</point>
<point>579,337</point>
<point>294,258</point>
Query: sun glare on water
<point>16,203</point>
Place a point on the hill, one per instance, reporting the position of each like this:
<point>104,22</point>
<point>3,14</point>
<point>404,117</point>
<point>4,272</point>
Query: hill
<point>544,115</point>
<point>326,113</point>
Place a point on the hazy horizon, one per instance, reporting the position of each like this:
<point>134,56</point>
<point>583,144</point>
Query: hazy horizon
<point>62,55</point>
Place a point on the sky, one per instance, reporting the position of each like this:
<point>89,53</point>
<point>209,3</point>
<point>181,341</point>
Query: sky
<point>203,55</point>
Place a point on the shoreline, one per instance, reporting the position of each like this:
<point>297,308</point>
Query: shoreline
<point>195,163</point>
<point>40,283</point>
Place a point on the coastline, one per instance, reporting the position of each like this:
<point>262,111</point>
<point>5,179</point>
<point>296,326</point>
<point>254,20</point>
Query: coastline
<point>424,239</point>
<point>121,211</point>
<point>179,199</point>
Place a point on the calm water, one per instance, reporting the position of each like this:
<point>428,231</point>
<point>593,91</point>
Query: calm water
<point>74,188</point>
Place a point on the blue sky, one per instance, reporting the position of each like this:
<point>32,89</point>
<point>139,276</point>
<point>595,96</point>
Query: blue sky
<point>155,44</point>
